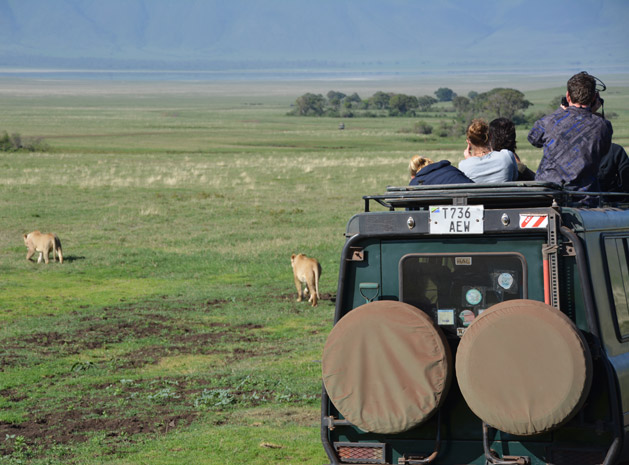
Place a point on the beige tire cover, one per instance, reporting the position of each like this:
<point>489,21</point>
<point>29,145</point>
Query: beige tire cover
<point>523,367</point>
<point>386,366</point>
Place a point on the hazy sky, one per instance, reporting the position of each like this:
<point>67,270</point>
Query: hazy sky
<point>419,34</point>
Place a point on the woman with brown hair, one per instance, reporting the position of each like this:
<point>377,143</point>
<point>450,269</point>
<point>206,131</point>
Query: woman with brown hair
<point>481,163</point>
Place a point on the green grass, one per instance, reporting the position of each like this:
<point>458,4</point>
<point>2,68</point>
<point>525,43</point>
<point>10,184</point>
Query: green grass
<point>171,333</point>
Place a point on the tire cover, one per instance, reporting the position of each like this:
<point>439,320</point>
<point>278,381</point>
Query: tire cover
<point>524,367</point>
<point>386,366</point>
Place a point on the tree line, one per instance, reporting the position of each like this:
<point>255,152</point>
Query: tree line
<point>338,104</point>
<point>496,103</point>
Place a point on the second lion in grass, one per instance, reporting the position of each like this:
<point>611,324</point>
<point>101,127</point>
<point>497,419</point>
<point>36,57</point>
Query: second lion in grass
<point>306,270</point>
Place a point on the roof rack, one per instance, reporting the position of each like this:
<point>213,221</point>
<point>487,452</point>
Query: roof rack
<point>507,195</point>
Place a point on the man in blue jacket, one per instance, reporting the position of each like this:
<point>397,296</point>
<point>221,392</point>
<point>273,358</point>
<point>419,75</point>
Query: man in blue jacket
<point>574,139</point>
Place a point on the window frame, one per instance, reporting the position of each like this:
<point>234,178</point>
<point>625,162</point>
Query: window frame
<point>617,265</point>
<point>517,255</point>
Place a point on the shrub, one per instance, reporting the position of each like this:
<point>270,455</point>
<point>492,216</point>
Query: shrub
<point>5,143</point>
<point>15,142</point>
<point>455,129</point>
<point>35,144</point>
<point>422,128</point>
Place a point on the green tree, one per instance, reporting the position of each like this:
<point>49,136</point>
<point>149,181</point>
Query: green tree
<point>501,103</point>
<point>335,98</point>
<point>310,104</point>
<point>461,104</point>
<point>403,104</point>
<point>354,99</point>
<point>425,102</point>
<point>472,94</point>
<point>380,100</point>
<point>445,94</point>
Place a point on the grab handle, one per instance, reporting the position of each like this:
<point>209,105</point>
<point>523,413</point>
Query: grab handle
<point>371,287</point>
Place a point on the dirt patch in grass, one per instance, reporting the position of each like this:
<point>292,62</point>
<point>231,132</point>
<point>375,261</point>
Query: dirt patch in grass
<point>13,395</point>
<point>65,427</point>
<point>134,407</point>
<point>99,332</point>
<point>9,359</point>
<point>207,343</point>
<point>95,335</point>
<point>125,408</point>
<point>111,326</point>
<point>90,331</point>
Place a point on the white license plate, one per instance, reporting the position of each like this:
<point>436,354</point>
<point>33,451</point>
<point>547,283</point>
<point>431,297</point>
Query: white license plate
<point>451,219</point>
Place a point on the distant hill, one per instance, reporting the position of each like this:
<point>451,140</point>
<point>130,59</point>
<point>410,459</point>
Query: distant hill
<point>341,34</point>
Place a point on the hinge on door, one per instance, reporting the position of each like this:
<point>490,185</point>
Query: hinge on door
<point>567,250</point>
<point>356,254</point>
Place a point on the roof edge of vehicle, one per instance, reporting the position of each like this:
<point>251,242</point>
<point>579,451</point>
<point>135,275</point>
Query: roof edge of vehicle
<point>509,195</point>
<point>543,192</point>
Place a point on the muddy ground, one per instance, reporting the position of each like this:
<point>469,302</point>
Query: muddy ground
<point>129,407</point>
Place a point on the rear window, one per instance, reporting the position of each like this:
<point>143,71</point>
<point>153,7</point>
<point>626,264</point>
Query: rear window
<point>455,288</point>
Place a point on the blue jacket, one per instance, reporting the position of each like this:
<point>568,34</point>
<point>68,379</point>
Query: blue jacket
<point>441,172</point>
<point>574,141</point>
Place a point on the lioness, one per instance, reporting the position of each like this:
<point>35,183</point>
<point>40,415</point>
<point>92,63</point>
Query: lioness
<point>43,243</point>
<point>306,271</point>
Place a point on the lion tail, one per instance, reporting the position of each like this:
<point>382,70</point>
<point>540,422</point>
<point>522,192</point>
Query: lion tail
<point>57,249</point>
<point>317,274</point>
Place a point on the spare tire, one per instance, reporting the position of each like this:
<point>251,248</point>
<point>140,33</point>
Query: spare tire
<point>386,366</point>
<point>524,367</point>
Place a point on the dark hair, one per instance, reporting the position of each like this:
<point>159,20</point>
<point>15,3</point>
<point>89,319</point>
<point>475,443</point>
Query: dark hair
<point>502,134</point>
<point>582,88</point>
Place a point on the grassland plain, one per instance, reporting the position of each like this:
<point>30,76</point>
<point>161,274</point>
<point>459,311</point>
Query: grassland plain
<point>170,334</point>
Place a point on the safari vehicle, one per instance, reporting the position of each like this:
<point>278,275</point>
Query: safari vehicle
<point>480,324</point>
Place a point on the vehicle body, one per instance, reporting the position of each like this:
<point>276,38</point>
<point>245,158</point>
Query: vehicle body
<point>526,245</point>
